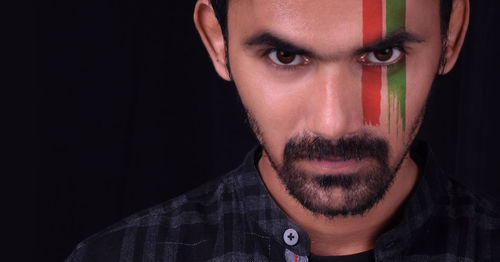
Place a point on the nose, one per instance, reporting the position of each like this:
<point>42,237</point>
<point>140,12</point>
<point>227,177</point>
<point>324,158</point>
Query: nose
<point>334,104</point>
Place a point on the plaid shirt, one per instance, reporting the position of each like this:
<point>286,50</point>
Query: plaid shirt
<point>235,219</point>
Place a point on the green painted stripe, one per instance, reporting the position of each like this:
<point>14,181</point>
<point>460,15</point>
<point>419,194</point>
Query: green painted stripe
<point>395,15</point>
<point>396,84</point>
<point>396,73</point>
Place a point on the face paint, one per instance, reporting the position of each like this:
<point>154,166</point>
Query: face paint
<point>396,73</point>
<point>371,78</point>
<point>373,30</point>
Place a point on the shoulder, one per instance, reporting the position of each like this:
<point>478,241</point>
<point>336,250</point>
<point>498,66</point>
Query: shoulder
<point>470,222</point>
<point>189,220</point>
<point>450,222</point>
<point>460,202</point>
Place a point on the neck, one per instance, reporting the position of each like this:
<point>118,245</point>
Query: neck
<point>343,235</point>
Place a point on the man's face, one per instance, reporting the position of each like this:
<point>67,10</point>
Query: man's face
<point>335,94</point>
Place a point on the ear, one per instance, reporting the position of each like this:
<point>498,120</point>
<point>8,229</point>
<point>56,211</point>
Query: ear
<point>459,21</point>
<point>211,34</point>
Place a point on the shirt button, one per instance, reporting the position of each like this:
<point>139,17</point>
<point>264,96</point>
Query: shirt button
<point>291,237</point>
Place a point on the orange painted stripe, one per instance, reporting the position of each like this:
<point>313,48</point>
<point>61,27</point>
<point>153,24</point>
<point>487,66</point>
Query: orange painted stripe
<point>371,78</point>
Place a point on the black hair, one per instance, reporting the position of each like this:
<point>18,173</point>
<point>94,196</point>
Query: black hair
<point>220,9</point>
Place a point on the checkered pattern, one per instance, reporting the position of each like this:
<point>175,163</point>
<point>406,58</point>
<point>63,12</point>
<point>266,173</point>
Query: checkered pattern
<point>235,219</point>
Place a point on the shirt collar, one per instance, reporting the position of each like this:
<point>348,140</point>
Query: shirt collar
<point>263,210</point>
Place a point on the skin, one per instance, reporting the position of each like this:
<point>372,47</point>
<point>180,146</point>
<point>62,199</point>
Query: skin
<point>323,95</point>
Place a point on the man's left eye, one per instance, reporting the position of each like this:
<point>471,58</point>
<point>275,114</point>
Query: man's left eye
<point>385,56</point>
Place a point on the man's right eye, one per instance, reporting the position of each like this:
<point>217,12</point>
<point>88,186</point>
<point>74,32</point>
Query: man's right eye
<point>284,58</point>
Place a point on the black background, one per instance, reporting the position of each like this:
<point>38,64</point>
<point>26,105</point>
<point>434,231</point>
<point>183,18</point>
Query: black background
<point>129,113</point>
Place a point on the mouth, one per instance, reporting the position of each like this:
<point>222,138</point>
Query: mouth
<point>334,165</point>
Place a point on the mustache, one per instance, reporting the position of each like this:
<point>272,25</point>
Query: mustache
<point>311,147</point>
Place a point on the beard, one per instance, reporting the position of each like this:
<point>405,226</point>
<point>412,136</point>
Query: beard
<point>336,194</point>
<point>341,193</point>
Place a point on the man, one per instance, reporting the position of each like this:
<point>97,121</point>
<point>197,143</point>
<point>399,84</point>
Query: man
<point>335,91</point>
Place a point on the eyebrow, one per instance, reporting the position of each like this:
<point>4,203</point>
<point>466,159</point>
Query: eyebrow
<point>394,39</point>
<point>270,39</point>
<point>267,38</point>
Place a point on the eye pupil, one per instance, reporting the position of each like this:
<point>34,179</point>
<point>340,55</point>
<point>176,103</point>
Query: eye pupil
<point>285,57</point>
<point>383,54</point>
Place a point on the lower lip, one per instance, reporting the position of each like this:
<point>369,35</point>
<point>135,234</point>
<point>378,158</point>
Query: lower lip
<point>335,166</point>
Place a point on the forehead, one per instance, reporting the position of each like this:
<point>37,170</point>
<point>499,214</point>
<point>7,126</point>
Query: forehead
<point>298,14</point>
<point>330,22</point>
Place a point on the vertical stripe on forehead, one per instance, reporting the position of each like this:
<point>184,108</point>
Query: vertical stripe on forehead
<point>396,73</point>
<point>371,78</point>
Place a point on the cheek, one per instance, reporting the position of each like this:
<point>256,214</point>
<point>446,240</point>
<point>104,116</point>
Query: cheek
<point>420,76</point>
<point>275,106</point>
<point>421,71</point>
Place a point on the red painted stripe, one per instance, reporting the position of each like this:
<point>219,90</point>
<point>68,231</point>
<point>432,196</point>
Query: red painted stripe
<point>372,86</point>
<point>372,21</point>
<point>371,78</point>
